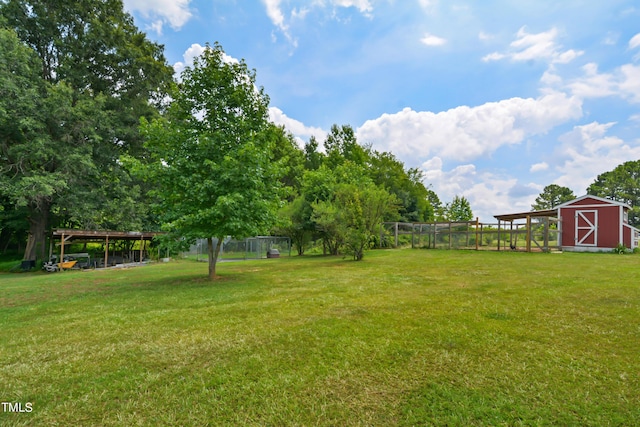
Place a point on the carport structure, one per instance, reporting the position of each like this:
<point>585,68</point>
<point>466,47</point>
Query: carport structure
<point>67,236</point>
<point>544,220</point>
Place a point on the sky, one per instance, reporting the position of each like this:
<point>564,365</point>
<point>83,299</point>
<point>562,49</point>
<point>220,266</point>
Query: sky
<point>492,100</point>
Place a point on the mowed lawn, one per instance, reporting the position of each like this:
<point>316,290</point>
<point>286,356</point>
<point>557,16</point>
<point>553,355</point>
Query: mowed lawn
<point>405,337</point>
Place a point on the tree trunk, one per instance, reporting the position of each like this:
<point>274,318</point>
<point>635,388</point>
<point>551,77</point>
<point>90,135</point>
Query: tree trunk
<point>213,256</point>
<point>36,242</point>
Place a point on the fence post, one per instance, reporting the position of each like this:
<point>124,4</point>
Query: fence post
<point>396,234</point>
<point>477,225</point>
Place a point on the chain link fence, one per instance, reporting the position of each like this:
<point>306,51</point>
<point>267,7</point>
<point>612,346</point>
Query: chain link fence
<point>251,248</point>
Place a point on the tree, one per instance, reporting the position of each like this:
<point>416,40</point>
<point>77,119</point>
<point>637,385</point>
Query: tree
<point>622,185</point>
<point>95,75</point>
<point>211,156</point>
<point>347,207</point>
<point>295,222</point>
<point>459,210</point>
<point>313,158</point>
<point>46,139</point>
<point>552,196</point>
<point>341,146</point>
<point>289,158</point>
<point>362,210</point>
<point>414,198</point>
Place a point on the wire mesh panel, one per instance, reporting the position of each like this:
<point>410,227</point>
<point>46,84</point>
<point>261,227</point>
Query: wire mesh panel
<point>250,248</point>
<point>431,235</point>
<point>540,234</point>
<point>261,246</point>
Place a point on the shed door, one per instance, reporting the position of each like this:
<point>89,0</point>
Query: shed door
<point>586,228</point>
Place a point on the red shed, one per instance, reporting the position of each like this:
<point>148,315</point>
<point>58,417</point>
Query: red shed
<point>591,223</point>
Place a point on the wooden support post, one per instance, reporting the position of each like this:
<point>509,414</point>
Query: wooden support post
<point>106,253</point>
<point>511,244</point>
<point>546,234</point>
<point>528,233</point>
<point>61,252</point>
<point>141,241</point>
<point>477,240</point>
<point>450,236</point>
<point>499,223</point>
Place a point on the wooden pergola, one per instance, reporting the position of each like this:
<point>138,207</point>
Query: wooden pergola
<point>67,236</point>
<point>549,213</point>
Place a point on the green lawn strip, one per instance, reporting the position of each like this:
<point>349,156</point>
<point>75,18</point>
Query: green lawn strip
<point>403,338</point>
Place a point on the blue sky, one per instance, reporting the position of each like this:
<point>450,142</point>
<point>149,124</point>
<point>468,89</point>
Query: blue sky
<point>493,100</point>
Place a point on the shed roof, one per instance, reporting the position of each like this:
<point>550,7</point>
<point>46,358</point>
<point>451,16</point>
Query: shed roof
<point>524,215</point>
<point>596,198</point>
<point>103,234</point>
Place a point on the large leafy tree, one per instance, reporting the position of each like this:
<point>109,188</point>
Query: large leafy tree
<point>622,184</point>
<point>211,156</point>
<point>96,74</point>
<point>552,196</point>
<point>46,137</point>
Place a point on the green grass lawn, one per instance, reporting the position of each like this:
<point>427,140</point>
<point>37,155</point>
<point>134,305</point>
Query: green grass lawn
<point>405,337</point>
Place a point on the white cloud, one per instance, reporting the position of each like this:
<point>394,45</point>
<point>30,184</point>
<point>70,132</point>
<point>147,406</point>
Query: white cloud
<point>466,133</point>
<point>485,36</point>
<point>194,51</point>
<point>364,6</point>
<point>495,56</point>
<point>487,193</point>
<point>427,4</point>
<point>532,47</point>
<point>593,84</point>
<point>588,151</point>
<point>297,128</point>
<point>623,82</point>
<point>188,56</point>
<point>274,13</point>
<point>431,40</point>
<point>634,42</point>
<point>630,82</point>
<point>539,167</point>
<point>175,12</point>
<point>611,39</point>
<point>279,18</point>
<point>551,77</point>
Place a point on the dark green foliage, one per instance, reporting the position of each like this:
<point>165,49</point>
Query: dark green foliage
<point>459,210</point>
<point>622,185</point>
<point>81,77</point>
<point>552,196</point>
<point>342,193</point>
<point>212,157</point>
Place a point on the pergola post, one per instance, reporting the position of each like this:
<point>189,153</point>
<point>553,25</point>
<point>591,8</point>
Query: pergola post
<point>528,233</point>
<point>106,252</point>
<point>61,252</point>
